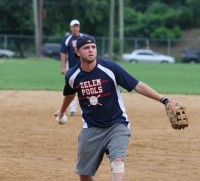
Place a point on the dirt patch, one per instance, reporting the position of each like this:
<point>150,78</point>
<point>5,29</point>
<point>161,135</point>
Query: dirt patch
<point>34,148</point>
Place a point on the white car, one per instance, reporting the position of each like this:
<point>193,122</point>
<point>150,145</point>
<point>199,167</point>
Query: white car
<point>6,53</point>
<point>145,55</point>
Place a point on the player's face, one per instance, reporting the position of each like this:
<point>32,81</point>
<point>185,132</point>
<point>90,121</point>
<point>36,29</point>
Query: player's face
<point>88,53</point>
<point>75,30</point>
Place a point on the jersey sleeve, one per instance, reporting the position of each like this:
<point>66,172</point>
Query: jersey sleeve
<point>124,79</point>
<point>68,90</point>
<point>63,47</point>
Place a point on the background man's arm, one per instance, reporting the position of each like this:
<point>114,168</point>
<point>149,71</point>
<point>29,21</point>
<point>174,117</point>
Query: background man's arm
<point>63,59</point>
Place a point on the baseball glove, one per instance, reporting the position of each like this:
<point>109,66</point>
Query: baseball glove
<point>177,115</point>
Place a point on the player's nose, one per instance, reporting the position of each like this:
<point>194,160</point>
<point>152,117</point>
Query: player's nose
<point>90,49</point>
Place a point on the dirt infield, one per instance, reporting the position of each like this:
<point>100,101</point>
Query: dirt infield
<point>34,148</point>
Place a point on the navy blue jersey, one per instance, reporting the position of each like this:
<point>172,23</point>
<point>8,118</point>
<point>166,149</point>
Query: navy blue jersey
<point>99,93</point>
<point>68,47</point>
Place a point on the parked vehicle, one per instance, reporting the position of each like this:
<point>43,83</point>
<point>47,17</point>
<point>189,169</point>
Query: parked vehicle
<point>191,56</point>
<point>51,50</point>
<point>149,56</point>
<point>4,53</point>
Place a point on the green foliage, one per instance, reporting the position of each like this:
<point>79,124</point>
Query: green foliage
<point>159,21</point>
<point>158,9</point>
<point>194,7</point>
<point>131,21</point>
<point>55,22</point>
<point>144,18</point>
<point>163,32</point>
<point>92,9</point>
<point>16,17</point>
<point>186,19</point>
<point>92,15</point>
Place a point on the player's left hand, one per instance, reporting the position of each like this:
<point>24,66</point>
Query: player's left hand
<point>177,115</point>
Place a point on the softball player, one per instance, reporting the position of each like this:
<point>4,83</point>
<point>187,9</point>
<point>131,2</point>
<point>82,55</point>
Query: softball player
<point>68,59</point>
<point>105,122</point>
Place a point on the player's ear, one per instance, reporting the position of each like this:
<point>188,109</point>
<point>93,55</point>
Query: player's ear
<point>77,53</point>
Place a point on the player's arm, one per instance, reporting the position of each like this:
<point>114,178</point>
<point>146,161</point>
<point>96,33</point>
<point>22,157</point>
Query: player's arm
<point>66,102</point>
<point>69,94</point>
<point>147,91</point>
<point>176,113</point>
<point>63,56</point>
<point>63,59</point>
<point>129,83</point>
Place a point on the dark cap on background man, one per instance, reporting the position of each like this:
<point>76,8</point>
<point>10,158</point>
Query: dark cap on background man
<point>74,22</point>
<point>84,39</point>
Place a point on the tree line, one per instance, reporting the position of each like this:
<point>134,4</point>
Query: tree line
<point>142,18</point>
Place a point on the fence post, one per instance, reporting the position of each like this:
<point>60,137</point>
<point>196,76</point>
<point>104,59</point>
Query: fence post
<point>135,43</point>
<point>5,42</point>
<point>111,28</point>
<point>169,46</point>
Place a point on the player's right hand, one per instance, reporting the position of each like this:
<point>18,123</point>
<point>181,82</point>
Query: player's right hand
<point>58,113</point>
<point>63,70</point>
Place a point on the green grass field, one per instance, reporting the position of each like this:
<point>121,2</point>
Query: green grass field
<point>168,78</point>
<point>44,74</point>
<point>30,74</point>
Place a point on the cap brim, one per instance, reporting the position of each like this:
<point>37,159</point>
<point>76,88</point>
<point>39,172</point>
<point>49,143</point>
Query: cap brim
<point>75,24</point>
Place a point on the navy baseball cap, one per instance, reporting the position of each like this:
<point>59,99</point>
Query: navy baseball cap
<point>84,39</point>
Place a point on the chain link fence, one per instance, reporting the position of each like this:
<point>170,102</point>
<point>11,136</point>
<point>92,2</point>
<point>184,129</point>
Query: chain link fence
<point>24,45</point>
